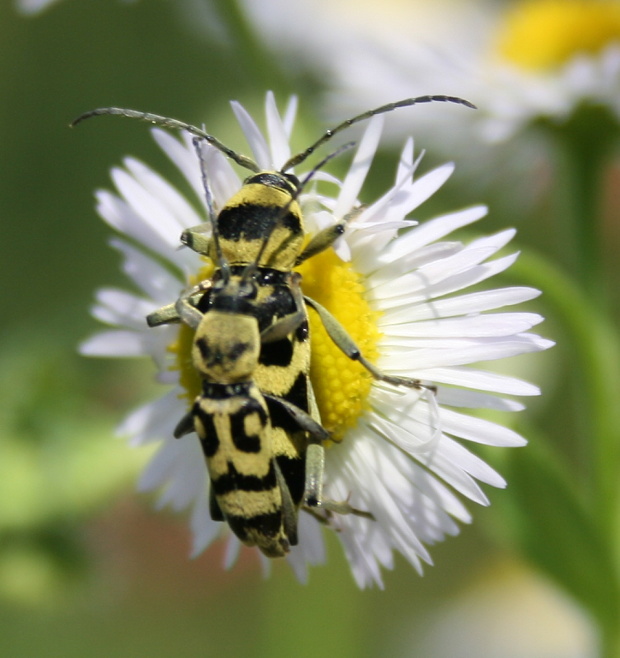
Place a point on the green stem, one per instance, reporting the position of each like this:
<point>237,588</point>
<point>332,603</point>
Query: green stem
<point>597,350</point>
<point>583,145</point>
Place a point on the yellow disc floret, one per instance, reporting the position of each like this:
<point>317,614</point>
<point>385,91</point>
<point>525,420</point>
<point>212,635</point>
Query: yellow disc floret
<point>544,34</point>
<point>341,386</point>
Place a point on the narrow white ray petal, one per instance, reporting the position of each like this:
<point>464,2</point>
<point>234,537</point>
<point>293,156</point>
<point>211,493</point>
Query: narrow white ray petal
<point>438,278</point>
<point>254,137</point>
<point>156,281</point>
<point>148,207</point>
<point>187,482</point>
<point>421,189</point>
<point>290,114</point>
<point>118,307</point>
<point>479,430</point>
<point>223,179</point>
<point>478,379</point>
<point>152,421</point>
<point>452,459</point>
<point>116,343</point>
<point>458,281</point>
<point>183,157</point>
<point>278,137</point>
<point>476,302</point>
<point>166,195</point>
<point>310,550</point>
<point>233,548</point>
<point>358,170</point>
<point>455,397</point>
<point>406,165</point>
<point>121,216</point>
<point>435,229</point>
<point>176,461</point>
<point>204,529</point>
<point>471,352</point>
<point>492,324</point>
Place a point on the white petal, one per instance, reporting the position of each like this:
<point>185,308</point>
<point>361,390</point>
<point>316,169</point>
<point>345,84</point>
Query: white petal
<point>153,421</point>
<point>358,170</point>
<point>476,302</point>
<point>493,324</point>
<point>479,430</point>
<point>278,137</point>
<point>118,307</point>
<point>166,195</point>
<point>153,279</point>
<point>435,229</point>
<point>204,529</point>
<point>479,379</point>
<point>182,156</point>
<point>254,137</point>
<point>114,344</point>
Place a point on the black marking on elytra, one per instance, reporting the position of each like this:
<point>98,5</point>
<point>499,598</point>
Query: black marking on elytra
<point>214,506</point>
<point>278,353</point>
<point>298,393</point>
<point>294,471</point>
<point>243,441</point>
<point>208,440</point>
<point>232,480</point>
<point>279,416</point>
<point>267,525</point>
<point>249,221</point>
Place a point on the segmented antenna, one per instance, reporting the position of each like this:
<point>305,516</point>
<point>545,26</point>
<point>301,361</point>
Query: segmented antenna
<point>167,122</point>
<point>300,157</point>
<point>215,231</point>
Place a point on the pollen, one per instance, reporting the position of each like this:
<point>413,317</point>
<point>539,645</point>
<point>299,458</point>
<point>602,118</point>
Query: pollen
<point>181,348</point>
<point>341,385</point>
<point>544,34</point>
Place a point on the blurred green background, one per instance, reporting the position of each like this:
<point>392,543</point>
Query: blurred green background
<point>86,566</point>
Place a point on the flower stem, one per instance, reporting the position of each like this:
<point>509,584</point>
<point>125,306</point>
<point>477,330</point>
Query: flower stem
<point>596,347</point>
<point>583,145</point>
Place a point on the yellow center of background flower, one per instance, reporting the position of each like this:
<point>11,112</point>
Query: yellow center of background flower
<point>544,34</point>
<point>341,386</point>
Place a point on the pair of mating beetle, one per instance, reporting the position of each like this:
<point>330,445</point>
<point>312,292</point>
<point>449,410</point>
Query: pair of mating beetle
<point>256,416</point>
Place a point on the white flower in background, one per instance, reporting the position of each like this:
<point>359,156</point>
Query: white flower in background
<point>517,61</point>
<point>34,6</point>
<point>401,454</point>
<point>37,6</point>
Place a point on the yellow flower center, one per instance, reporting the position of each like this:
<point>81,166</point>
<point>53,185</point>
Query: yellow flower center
<point>544,34</point>
<point>341,386</point>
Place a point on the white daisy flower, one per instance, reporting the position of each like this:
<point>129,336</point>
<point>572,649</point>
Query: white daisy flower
<point>398,453</point>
